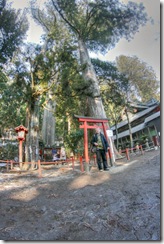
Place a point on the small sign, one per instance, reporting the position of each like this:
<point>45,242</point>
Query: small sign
<point>109,133</point>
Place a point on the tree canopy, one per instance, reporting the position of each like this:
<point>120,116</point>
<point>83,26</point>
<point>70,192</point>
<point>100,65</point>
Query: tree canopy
<point>101,23</point>
<point>142,79</point>
<point>13,27</point>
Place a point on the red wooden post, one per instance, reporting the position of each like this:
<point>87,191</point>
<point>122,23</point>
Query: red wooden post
<point>127,154</point>
<point>20,153</point>
<point>86,142</point>
<point>86,147</point>
<point>104,129</point>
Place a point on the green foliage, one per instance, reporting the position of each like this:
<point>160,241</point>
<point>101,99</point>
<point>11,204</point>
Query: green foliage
<point>74,141</point>
<point>13,27</point>
<point>110,77</point>
<point>28,82</point>
<point>142,79</point>
<point>112,84</point>
<point>9,151</point>
<point>12,106</point>
<point>3,80</point>
<point>72,89</point>
<point>101,23</point>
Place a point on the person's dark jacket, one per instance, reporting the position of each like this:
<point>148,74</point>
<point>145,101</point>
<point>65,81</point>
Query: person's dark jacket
<point>103,139</point>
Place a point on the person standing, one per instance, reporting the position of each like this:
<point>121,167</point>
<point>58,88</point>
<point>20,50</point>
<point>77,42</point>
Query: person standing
<point>102,147</point>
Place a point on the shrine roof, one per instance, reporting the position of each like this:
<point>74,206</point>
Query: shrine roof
<point>21,127</point>
<point>135,117</point>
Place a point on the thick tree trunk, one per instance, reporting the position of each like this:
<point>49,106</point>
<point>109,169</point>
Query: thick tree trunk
<point>48,128</point>
<point>130,130</point>
<point>33,134</point>
<point>34,131</point>
<point>32,138</point>
<point>116,134</point>
<point>95,107</point>
<point>27,142</point>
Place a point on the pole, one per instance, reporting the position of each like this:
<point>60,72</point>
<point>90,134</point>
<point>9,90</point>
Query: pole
<point>20,153</point>
<point>86,147</point>
<point>86,142</point>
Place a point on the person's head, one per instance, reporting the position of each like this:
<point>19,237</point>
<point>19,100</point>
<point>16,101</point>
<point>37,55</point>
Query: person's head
<point>97,130</point>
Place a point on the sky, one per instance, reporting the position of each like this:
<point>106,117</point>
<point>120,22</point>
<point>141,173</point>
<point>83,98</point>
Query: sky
<point>145,44</point>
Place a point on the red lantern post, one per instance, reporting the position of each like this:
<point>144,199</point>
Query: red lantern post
<point>22,131</point>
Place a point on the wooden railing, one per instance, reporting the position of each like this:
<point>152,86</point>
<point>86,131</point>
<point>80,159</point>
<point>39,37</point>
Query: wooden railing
<point>10,164</point>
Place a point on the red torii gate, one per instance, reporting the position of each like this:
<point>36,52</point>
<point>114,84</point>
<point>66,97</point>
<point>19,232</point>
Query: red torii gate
<point>85,126</point>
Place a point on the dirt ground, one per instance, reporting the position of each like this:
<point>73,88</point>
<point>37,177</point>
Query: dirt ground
<point>67,205</point>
